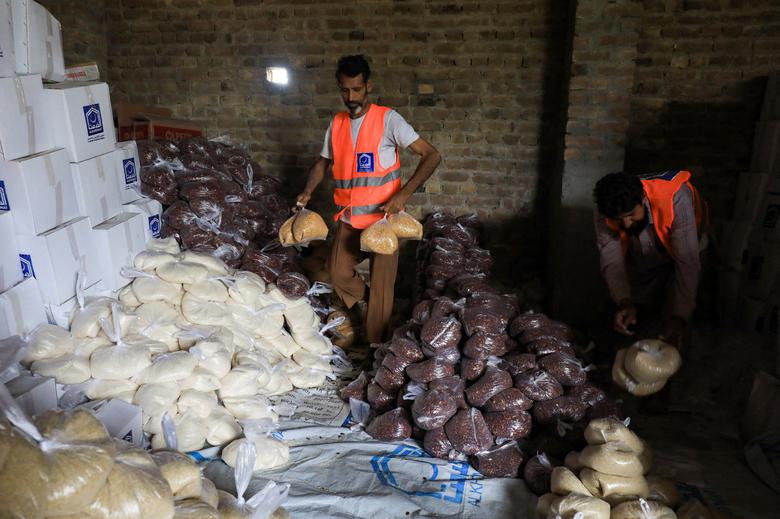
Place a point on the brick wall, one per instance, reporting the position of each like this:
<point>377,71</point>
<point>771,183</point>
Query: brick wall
<point>678,86</point>
<point>681,87</point>
<point>700,75</point>
<point>601,74</point>
<point>487,63</point>
<point>83,30</point>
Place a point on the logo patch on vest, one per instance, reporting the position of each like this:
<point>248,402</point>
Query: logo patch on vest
<point>365,162</point>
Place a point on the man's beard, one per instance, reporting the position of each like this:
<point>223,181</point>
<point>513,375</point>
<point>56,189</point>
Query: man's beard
<point>638,227</point>
<point>354,108</point>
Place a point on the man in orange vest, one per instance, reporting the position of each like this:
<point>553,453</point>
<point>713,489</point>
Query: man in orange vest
<point>362,146</point>
<point>647,231</point>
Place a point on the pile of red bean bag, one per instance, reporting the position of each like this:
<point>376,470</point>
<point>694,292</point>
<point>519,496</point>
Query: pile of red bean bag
<point>217,202</point>
<point>470,373</point>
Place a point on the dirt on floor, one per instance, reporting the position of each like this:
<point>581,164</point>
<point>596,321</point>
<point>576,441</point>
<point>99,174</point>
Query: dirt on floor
<point>698,440</point>
<point>696,434</point>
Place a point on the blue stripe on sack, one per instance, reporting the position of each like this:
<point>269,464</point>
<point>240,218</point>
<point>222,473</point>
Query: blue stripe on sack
<point>454,476</point>
<point>196,456</point>
<point>206,454</point>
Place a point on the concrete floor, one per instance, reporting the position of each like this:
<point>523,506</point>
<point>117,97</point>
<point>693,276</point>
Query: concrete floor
<point>698,441</point>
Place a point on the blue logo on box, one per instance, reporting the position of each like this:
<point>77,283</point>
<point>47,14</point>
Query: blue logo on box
<point>4,205</point>
<point>365,162</point>
<point>130,174</point>
<point>154,225</point>
<point>27,266</point>
<point>93,118</point>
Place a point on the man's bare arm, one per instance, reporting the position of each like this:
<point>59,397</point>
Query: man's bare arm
<point>430,158</point>
<point>316,174</point>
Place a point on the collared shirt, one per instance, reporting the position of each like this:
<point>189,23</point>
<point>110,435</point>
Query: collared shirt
<point>648,261</point>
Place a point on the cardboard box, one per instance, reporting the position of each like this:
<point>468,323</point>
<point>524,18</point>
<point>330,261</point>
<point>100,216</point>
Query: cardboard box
<point>766,149</point>
<point>15,370</point>
<point>118,240</point>
<point>35,395</point>
<point>21,309</point>
<point>80,117</point>
<point>129,170</point>
<point>729,285</point>
<point>10,270</point>
<point>122,420</point>
<point>152,210</point>
<point>751,192</point>
<point>83,72</point>
<point>55,258</point>
<point>767,227</point>
<point>61,390</point>
<point>771,109</point>
<point>148,127</point>
<point>37,41</point>
<point>754,316</point>
<point>142,122</point>
<point>61,314</point>
<point>7,62</point>
<point>772,313</point>
<point>735,243</point>
<point>40,191</point>
<point>126,112</point>
<point>24,125</point>
<point>97,187</point>
<point>762,269</point>
<point>762,414</point>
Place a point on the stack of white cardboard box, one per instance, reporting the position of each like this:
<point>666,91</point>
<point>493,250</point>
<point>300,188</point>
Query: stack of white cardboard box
<point>751,240</point>
<point>69,202</point>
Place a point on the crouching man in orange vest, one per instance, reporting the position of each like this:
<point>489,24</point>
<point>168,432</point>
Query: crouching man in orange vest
<point>362,145</point>
<point>648,231</point>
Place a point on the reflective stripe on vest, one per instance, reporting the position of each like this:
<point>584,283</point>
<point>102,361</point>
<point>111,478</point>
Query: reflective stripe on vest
<point>368,181</point>
<point>659,189</point>
<point>362,184</point>
<point>361,210</point>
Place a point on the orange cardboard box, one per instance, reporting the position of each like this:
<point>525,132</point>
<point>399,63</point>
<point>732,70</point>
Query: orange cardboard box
<point>140,122</point>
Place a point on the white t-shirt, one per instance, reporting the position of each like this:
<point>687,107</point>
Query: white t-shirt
<point>398,133</point>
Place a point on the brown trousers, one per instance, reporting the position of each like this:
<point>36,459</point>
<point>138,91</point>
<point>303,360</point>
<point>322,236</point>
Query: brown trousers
<point>344,255</point>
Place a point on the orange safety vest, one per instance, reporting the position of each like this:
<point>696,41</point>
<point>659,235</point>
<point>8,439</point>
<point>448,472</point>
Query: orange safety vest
<point>362,184</point>
<point>660,189</point>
